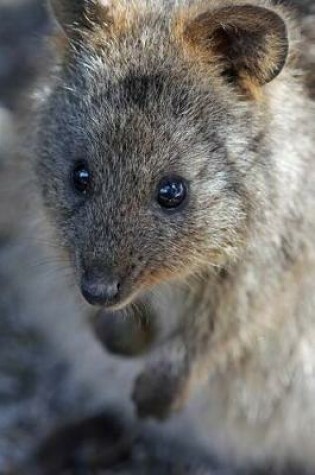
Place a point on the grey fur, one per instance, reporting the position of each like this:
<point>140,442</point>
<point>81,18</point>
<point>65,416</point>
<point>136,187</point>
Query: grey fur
<point>234,271</point>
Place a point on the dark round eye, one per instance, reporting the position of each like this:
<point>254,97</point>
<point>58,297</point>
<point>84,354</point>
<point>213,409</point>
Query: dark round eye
<point>81,178</point>
<point>172,192</point>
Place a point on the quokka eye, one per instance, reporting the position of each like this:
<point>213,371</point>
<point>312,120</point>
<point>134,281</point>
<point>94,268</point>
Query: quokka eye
<point>81,178</point>
<point>172,192</point>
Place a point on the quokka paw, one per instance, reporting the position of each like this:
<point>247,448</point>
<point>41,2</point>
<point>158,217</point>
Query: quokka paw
<point>159,391</point>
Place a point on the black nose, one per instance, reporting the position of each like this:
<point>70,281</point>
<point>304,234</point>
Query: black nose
<point>100,290</point>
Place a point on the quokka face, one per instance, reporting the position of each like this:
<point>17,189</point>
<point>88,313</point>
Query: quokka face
<point>147,133</point>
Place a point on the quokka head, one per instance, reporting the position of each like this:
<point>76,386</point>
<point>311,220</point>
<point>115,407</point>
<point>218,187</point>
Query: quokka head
<point>146,134</point>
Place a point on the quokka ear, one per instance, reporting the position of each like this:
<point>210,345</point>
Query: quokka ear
<point>78,14</point>
<point>250,42</point>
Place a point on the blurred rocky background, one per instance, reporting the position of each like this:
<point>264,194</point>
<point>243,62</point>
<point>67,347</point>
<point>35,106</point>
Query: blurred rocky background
<point>54,373</point>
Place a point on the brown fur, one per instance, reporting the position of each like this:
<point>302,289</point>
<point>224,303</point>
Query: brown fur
<point>206,90</point>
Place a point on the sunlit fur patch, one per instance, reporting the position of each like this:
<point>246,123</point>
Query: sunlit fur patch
<point>116,21</point>
<point>103,22</point>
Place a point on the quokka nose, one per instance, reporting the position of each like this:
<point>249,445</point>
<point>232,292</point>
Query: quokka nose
<point>99,290</point>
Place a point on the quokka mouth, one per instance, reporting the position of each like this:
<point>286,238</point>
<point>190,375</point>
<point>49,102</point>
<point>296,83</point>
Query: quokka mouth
<point>122,303</point>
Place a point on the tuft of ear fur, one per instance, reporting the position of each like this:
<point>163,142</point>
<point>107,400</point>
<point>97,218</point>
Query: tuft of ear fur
<point>79,14</point>
<point>250,42</point>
